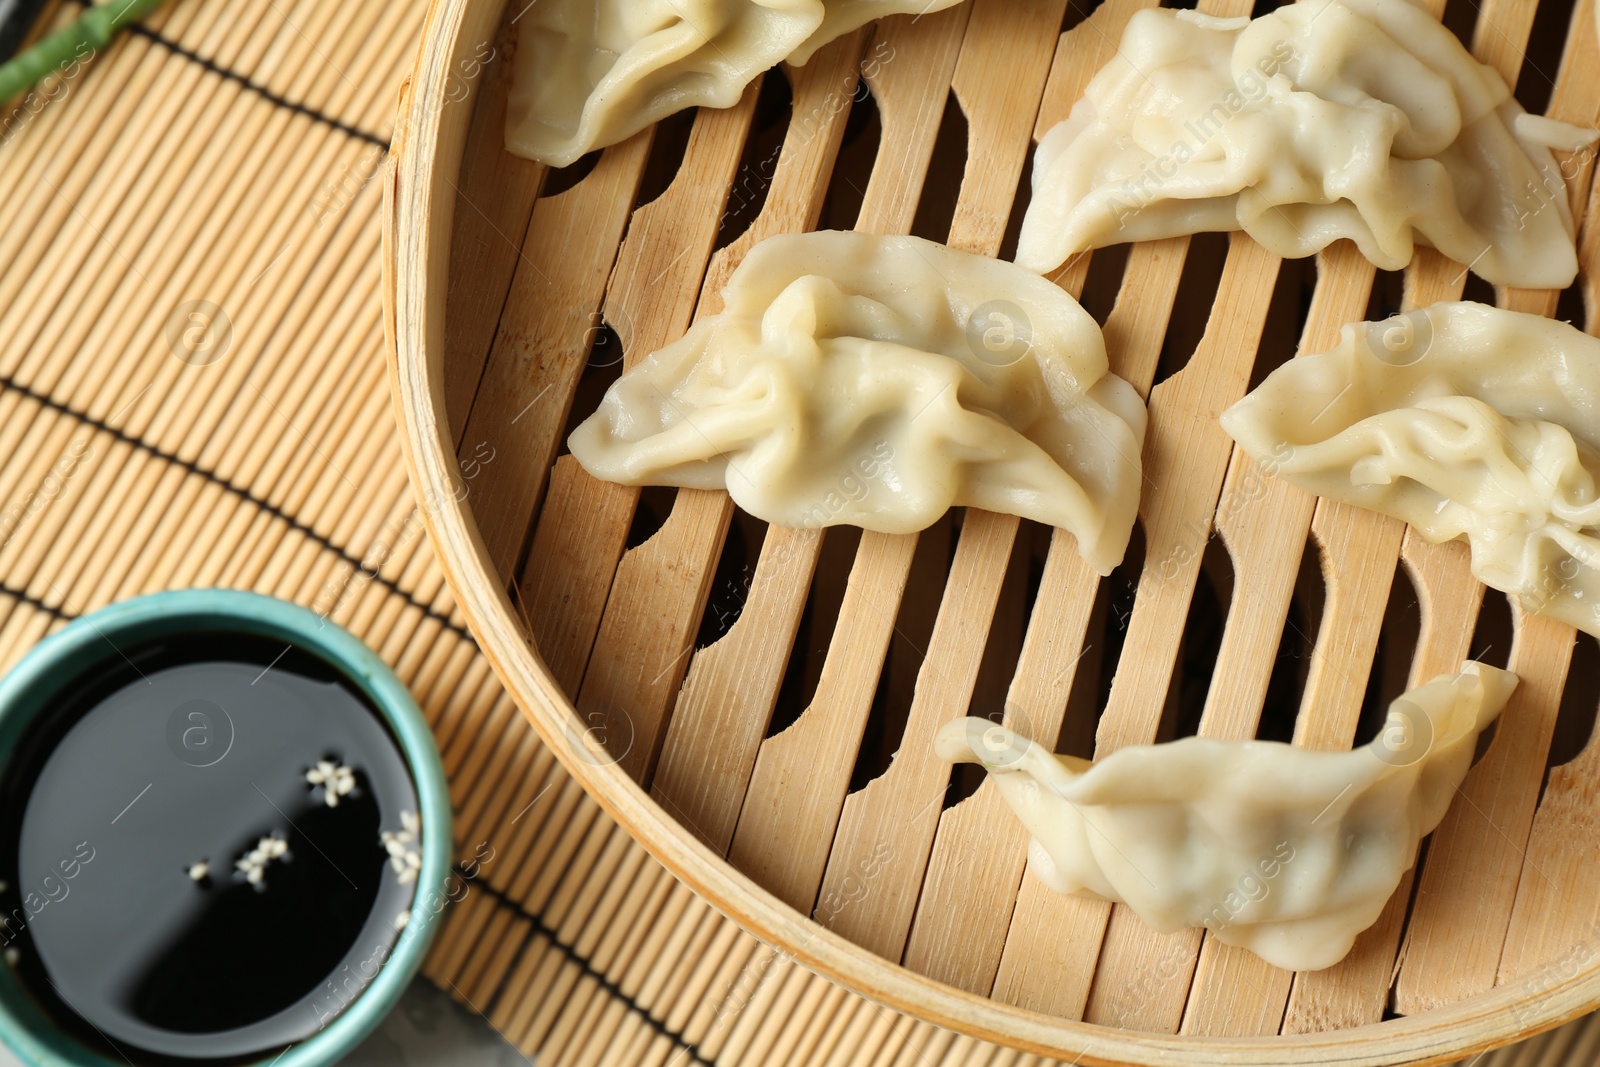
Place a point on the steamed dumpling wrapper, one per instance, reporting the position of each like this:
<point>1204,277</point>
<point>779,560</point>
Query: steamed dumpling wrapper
<point>876,382</point>
<point>1285,851</point>
<point>1464,420</point>
<point>1363,119</point>
<point>590,73</point>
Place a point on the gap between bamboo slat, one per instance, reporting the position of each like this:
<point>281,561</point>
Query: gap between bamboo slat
<point>576,554</point>
<point>974,872</point>
<point>548,323</point>
<point>799,778</point>
<point>886,829</point>
<point>1455,939</point>
<point>496,193</point>
<point>1359,552</point>
<point>1264,523</point>
<point>731,687</point>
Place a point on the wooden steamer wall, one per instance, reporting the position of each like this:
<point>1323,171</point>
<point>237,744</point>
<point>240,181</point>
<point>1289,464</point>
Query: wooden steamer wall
<point>733,693</point>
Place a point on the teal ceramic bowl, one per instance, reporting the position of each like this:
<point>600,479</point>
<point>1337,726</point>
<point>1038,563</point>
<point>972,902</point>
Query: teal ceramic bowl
<point>90,643</point>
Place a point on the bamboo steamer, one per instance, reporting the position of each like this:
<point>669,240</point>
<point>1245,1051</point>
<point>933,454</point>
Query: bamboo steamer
<point>717,685</point>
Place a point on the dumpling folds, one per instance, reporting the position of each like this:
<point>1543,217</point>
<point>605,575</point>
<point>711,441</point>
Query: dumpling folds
<point>1364,119</point>
<point>1464,420</point>
<point>590,73</point>
<point>1285,851</point>
<point>877,381</point>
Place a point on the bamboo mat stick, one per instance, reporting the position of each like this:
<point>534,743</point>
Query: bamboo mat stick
<point>101,242</point>
<point>250,532</point>
<point>272,418</point>
<point>813,1029</point>
<point>495,816</point>
<point>51,210</point>
<point>53,16</point>
<point>591,923</point>
<point>799,991</point>
<point>482,813</point>
<point>748,1000</point>
<point>164,363</point>
<point>189,152</point>
<point>104,196</point>
<point>257,408</point>
<point>849,1037</point>
<point>782,1027</point>
<point>539,782</point>
<point>125,70</point>
<point>565,914</point>
<point>797,785</point>
<point>538,989</point>
<point>103,469</point>
<point>664,973</point>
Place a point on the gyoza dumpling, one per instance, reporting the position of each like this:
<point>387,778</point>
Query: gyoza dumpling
<point>1464,420</point>
<point>1288,852</point>
<point>1364,119</point>
<point>877,381</point>
<point>590,73</point>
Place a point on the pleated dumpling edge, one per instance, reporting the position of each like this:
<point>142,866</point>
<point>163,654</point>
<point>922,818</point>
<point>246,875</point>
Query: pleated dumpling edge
<point>854,379</point>
<point>1465,421</point>
<point>590,73</point>
<point>1321,120</point>
<point>1285,851</point>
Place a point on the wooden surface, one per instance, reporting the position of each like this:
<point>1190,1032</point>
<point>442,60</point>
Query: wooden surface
<point>157,180</point>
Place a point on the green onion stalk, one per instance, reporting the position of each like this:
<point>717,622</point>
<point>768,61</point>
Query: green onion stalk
<point>94,28</point>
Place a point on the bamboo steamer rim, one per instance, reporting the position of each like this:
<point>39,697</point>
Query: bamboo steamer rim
<point>419,201</point>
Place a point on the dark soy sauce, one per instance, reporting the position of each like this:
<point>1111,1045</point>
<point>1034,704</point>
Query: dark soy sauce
<point>177,886</point>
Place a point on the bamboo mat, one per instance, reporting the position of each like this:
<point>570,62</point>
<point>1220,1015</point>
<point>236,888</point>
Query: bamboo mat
<point>192,393</point>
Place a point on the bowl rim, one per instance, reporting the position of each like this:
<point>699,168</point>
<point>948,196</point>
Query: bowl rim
<point>420,190</point>
<point>24,1030</point>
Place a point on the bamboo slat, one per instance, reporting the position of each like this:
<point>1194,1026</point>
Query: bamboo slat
<point>888,827</point>
<point>1502,791</point>
<point>733,686</point>
<point>616,627</point>
<point>798,782</point>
